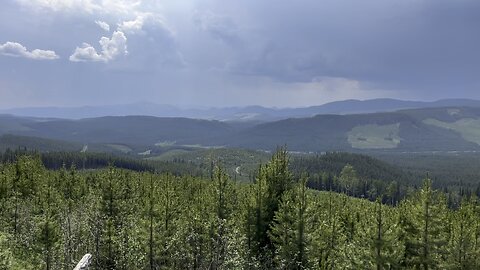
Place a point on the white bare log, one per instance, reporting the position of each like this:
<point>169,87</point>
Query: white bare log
<point>84,262</point>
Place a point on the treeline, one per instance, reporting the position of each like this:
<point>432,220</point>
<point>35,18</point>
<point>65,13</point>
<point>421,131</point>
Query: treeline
<point>142,220</point>
<point>366,177</point>
<point>451,171</point>
<point>86,161</point>
<point>357,175</point>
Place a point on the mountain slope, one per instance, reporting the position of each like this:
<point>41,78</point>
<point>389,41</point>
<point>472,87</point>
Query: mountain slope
<point>242,114</point>
<point>409,130</point>
<point>14,142</point>
<point>136,130</point>
<point>429,129</point>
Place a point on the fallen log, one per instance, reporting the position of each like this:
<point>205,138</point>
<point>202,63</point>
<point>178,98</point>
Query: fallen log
<point>84,262</point>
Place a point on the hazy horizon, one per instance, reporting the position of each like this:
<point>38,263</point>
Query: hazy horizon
<point>200,107</point>
<point>211,54</point>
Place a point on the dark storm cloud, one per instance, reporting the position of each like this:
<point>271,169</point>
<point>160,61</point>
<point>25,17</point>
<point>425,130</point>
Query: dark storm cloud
<point>221,53</point>
<point>397,44</point>
<point>220,27</point>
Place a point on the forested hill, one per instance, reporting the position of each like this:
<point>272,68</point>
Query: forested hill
<point>416,130</point>
<point>94,161</point>
<point>129,220</point>
<point>366,167</point>
<point>363,176</point>
<point>437,129</point>
<point>135,130</point>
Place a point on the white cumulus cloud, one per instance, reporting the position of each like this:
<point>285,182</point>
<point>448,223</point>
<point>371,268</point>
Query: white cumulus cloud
<point>105,26</point>
<point>136,26</point>
<point>18,50</point>
<point>84,6</point>
<point>111,48</point>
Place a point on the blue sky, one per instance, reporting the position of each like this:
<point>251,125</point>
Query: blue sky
<point>228,53</point>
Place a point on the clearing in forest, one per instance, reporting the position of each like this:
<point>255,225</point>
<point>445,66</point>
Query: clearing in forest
<point>374,136</point>
<point>469,128</point>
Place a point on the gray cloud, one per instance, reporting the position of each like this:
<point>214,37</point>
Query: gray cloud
<point>393,44</point>
<point>152,44</point>
<point>220,27</point>
<point>278,53</point>
<point>18,50</point>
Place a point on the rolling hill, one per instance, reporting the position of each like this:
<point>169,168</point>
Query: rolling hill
<point>135,130</point>
<point>413,130</point>
<point>237,114</point>
<point>431,129</point>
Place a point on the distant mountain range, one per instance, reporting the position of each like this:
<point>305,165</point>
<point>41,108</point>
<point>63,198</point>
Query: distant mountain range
<point>446,128</point>
<point>237,114</point>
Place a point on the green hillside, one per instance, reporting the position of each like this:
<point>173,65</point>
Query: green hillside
<point>469,128</point>
<point>395,131</point>
<point>142,220</point>
<point>135,130</point>
<point>240,164</point>
<point>39,144</point>
<point>416,130</point>
<point>374,136</point>
<point>34,143</point>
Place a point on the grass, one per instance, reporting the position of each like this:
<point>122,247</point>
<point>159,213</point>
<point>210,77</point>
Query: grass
<point>146,153</point>
<point>199,146</point>
<point>469,128</point>
<point>374,136</point>
<point>169,155</point>
<point>120,147</point>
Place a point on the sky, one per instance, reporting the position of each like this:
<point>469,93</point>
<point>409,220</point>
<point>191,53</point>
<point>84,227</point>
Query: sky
<point>202,53</point>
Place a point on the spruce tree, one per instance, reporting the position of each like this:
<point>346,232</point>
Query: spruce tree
<point>274,179</point>
<point>290,231</point>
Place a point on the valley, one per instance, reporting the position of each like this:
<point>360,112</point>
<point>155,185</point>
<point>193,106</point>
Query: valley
<point>413,130</point>
<point>243,135</point>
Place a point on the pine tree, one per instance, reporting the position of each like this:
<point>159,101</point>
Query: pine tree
<point>289,231</point>
<point>385,245</point>
<point>326,234</point>
<point>224,198</point>
<point>462,251</point>
<point>348,179</point>
<point>274,179</point>
<point>424,231</point>
<point>48,238</point>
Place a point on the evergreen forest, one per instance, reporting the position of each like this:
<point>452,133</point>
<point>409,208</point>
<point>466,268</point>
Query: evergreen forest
<point>147,220</point>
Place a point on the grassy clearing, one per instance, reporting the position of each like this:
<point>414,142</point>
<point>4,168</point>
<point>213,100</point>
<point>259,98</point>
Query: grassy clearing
<point>170,155</point>
<point>469,128</point>
<point>120,147</point>
<point>374,136</point>
<point>146,153</point>
<point>199,146</point>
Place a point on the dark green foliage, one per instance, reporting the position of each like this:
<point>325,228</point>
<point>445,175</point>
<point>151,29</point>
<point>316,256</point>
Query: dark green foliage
<point>320,133</point>
<point>142,220</point>
<point>273,181</point>
<point>357,175</point>
<point>57,160</point>
<point>329,132</point>
<point>136,130</point>
<point>291,229</point>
